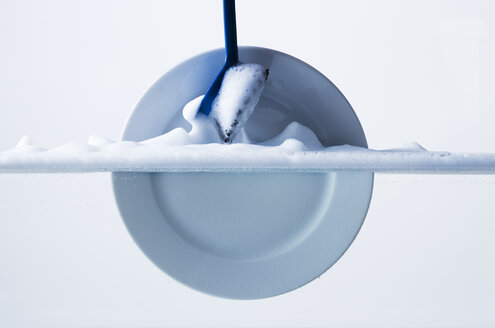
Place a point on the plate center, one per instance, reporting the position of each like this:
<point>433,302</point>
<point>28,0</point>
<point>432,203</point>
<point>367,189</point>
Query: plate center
<point>243,216</point>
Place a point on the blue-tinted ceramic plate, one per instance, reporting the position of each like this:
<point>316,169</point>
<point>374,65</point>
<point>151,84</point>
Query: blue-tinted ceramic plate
<point>246,235</point>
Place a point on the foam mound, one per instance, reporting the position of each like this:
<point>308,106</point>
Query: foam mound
<point>239,93</point>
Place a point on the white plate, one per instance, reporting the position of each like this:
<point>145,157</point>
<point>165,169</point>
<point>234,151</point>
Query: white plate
<point>246,235</point>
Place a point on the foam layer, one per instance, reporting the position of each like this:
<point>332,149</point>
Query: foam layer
<point>296,148</point>
<point>290,155</point>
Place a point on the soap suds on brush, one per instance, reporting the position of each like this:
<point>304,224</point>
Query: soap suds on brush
<point>239,93</point>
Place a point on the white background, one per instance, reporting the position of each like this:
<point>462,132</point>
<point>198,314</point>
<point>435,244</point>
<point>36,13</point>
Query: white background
<point>413,70</point>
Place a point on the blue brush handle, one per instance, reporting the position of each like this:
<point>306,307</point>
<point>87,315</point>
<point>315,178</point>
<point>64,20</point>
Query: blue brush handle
<point>231,55</point>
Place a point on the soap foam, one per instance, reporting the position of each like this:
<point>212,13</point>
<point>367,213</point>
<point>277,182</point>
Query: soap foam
<point>200,148</point>
<point>98,141</point>
<point>239,93</point>
<point>203,129</point>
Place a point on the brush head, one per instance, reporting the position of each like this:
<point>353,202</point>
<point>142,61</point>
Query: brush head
<point>239,94</point>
